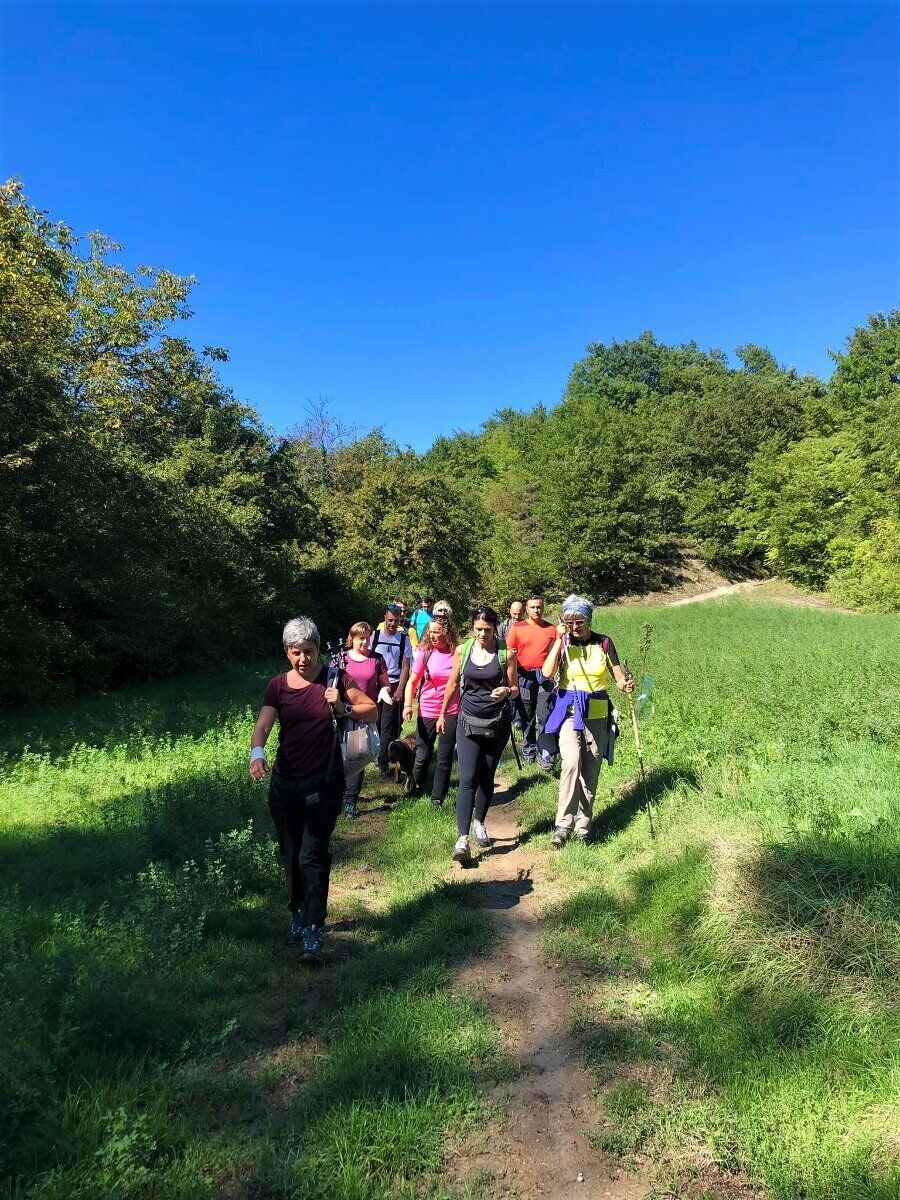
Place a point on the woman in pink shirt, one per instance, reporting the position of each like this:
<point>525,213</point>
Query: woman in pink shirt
<point>430,672</point>
<point>369,673</point>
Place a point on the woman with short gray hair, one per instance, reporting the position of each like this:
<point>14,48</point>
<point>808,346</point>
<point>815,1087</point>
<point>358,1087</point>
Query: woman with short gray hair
<point>307,782</point>
<point>580,716</point>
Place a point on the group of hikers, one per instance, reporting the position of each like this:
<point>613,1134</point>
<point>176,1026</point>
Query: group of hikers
<point>550,681</point>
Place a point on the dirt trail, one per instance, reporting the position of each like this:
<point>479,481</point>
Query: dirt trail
<point>729,589</point>
<point>540,1149</point>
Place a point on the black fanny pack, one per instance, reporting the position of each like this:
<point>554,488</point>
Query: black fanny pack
<point>483,728</point>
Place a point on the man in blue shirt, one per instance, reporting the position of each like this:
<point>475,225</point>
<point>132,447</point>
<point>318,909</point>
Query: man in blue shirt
<point>422,616</point>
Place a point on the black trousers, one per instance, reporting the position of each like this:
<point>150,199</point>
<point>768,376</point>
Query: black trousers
<point>478,760</point>
<point>390,717</point>
<point>304,830</point>
<point>534,708</point>
<point>426,733</point>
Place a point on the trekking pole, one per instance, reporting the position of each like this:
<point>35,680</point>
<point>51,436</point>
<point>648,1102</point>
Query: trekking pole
<point>515,746</point>
<point>640,754</point>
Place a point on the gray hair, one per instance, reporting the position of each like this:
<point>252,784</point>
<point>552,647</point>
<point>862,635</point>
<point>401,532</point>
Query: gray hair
<point>300,629</point>
<point>578,606</point>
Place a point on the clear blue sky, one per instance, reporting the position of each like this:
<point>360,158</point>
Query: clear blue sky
<point>426,211</point>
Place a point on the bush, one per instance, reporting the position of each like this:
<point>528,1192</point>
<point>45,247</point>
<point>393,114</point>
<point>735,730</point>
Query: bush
<point>871,580</point>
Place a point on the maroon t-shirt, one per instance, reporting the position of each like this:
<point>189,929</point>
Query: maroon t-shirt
<point>305,726</point>
<point>365,674</point>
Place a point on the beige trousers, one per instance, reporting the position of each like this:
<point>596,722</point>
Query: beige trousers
<point>581,755</point>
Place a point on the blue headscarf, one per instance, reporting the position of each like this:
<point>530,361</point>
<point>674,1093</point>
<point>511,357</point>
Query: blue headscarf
<point>577,606</point>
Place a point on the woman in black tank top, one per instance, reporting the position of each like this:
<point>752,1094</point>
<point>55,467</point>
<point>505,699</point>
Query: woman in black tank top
<point>485,673</point>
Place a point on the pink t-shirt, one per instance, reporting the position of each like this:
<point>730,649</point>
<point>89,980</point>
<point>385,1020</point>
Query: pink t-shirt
<point>436,673</point>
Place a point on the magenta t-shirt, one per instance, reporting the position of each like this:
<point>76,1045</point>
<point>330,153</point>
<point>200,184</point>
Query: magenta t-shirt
<point>365,674</point>
<point>437,671</point>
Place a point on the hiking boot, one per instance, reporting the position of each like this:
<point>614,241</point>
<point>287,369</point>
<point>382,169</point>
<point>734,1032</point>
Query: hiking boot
<point>294,935</point>
<point>461,850</point>
<point>351,810</point>
<point>529,756</point>
<point>481,836</point>
<point>583,835</point>
<point>313,950</point>
<point>560,837</point>
<point>545,762</point>
<point>437,801</point>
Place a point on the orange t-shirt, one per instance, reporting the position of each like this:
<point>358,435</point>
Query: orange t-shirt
<point>531,643</point>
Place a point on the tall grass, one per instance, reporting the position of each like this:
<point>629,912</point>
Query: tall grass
<point>156,1039</point>
<point>744,966</point>
<point>736,978</point>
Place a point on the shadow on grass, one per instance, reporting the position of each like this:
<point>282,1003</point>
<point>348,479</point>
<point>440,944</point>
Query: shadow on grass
<point>630,799</point>
<point>757,1023</point>
<point>119,969</point>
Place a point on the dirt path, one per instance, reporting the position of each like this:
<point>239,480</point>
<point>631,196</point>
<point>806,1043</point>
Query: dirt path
<point>539,1148</point>
<point>730,589</point>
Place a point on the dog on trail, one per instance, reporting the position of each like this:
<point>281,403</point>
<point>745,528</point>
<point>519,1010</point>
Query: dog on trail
<point>402,752</point>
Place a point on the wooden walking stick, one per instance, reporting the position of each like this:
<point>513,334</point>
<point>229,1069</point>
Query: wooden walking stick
<point>645,651</point>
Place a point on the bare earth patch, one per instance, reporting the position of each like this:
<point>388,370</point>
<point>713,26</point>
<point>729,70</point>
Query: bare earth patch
<point>538,1147</point>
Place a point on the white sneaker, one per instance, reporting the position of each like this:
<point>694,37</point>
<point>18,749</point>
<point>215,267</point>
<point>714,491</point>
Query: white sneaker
<point>461,849</point>
<point>481,836</point>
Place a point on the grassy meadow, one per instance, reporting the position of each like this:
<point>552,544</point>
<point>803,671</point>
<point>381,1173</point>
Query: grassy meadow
<point>157,1040</point>
<point>737,978</point>
<point>734,981</point>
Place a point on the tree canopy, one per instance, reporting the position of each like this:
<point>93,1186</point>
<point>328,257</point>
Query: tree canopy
<point>151,516</point>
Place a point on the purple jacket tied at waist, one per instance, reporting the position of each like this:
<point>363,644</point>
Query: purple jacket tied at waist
<point>575,700</point>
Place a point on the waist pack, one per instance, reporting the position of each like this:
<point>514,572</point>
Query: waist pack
<point>483,729</point>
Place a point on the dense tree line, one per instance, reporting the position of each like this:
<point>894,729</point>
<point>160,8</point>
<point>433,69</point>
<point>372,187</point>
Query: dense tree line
<point>151,518</point>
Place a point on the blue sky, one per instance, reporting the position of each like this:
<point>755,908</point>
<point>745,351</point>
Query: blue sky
<point>426,211</point>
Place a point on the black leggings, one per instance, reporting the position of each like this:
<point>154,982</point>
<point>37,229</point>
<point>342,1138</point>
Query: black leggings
<point>478,760</point>
<point>389,722</point>
<point>426,732</point>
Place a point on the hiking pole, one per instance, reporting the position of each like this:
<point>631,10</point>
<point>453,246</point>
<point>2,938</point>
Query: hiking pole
<point>640,754</point>
<point>515,746</point>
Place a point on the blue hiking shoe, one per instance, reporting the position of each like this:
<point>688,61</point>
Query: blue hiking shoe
<point>351,810</point>
<point>294,935</point>
<point>545,762</point>
<point>313,949</point>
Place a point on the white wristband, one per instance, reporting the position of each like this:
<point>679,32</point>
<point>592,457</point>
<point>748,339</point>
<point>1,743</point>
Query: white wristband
<point>256,753</point>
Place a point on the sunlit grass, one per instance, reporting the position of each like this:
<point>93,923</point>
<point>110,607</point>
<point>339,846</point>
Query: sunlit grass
<point>156,1039</point>
<point>751,954</point>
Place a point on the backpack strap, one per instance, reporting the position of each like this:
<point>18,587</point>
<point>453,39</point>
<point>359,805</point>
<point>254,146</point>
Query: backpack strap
<point>502,657</point>
<point>375,639</point>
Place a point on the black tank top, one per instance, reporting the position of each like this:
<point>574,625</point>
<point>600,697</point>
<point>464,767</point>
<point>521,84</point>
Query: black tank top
<point>480,682</point>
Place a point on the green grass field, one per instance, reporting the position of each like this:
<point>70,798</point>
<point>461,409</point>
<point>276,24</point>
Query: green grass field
<point>741,972</point>
<point>735,981</point>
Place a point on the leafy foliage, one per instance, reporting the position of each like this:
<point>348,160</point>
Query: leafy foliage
<point>150,514</point>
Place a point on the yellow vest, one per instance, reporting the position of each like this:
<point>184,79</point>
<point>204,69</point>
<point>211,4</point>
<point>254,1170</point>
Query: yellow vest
<point>587,671</point>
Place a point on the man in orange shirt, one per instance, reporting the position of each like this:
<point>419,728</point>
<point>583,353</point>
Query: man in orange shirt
<point>531,639</point>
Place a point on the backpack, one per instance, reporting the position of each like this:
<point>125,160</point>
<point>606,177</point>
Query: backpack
<point>401,645</point>
<point>502,656</point>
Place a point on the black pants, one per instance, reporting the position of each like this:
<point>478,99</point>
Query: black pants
<point>389,720</point>
<point>534,708</point>
<point>478,760</point>
<point>304,831</point>
<point>426,732</point>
